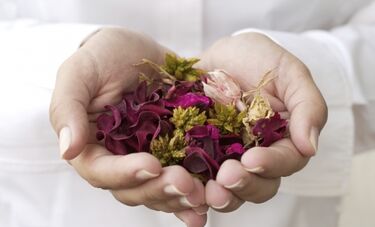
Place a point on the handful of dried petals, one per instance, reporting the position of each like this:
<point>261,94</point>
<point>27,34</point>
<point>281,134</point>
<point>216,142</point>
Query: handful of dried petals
<point>191,118</point>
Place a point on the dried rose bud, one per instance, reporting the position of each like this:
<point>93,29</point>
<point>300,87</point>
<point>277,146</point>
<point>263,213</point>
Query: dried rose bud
<point>222,88</point>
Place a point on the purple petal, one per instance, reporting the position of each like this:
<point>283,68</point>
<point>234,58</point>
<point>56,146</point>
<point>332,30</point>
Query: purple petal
<point>235,148</point>
<point>207,138</point>
<point>270,130</point>
<point>199,162</point>
<point>189,99</point>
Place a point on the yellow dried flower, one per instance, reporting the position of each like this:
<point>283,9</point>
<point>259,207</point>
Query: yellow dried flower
<point>227,118</point>
<point>176,68</point>
<point>259,108</point>
<point>185,119</point>
<point>169,151</point>
<point>182,68</point>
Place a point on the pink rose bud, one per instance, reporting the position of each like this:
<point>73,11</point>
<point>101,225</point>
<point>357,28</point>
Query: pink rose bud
<point>222,88</point>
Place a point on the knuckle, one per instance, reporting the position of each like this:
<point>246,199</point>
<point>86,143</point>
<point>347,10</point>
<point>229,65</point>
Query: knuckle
<point>149,195</point>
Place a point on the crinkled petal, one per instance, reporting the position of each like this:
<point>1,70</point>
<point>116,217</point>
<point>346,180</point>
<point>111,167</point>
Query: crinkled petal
<point>197,161</point>
<point>269,130</point>
<point>190,99</point>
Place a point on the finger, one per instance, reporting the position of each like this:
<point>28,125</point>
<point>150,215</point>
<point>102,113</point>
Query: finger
<point>174,182</point>
<point>305,103</point>
<point>105,170</point>
<point>195,200</point>
<point>174,205</point>
<point>192,219</point>
<point>220,198</point>
<point>75,84</point>
<point>245,185</point>
<point>279,160</point>
<point>201,210</point>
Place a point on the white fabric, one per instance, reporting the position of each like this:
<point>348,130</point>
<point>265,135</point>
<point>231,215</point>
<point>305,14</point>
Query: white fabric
<point>334,38</point>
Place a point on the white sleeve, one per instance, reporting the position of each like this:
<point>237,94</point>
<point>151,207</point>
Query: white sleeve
<point>342,62</point>
<point>30,55</point>
<point>32,52</point>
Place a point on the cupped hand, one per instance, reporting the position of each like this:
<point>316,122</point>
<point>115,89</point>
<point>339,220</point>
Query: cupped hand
<point>256,178</point>
<point>97,74</point>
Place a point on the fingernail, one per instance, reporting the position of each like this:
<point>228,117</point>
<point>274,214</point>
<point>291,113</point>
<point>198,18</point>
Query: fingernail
<point>145,175</point>
<point>258,169</point>
<point>65,139</point>
<point>185,202</point>
<point>222,206</point>
<point>172,190</point>
<point>201,210</point>
<point>314,135</point>
<point>239,184</point>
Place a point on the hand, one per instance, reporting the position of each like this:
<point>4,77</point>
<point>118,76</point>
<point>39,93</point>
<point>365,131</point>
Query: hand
<point>96,75</point>
<point>256,178</point>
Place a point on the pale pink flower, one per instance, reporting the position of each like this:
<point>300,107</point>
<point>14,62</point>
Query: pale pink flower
<point>222,88</point>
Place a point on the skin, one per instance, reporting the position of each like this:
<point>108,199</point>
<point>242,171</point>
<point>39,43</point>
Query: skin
<point>256,178</point>
<point>95,75</point>
<point>103,68</point>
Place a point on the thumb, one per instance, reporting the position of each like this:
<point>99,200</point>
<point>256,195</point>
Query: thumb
<point>68,108</point>
<point>308,111</point>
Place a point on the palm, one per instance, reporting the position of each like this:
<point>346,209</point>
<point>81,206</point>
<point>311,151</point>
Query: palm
<point>248,58</point>
<point>113,57</point>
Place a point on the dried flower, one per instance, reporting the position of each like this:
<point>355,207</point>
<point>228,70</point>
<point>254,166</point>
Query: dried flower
<point>233,151</point>
<point>185,119</point>
<point>189,118</point>
<point>180,88</point>
<point>269,130</point>
<point>189,99</point>
<point>176,68</point>
<point>259,109</point>
<point>222,88</point>
<point>227,118</point>
<point>133,123</point>
<point>182,68</point>
<point>206,137</point>
<point>199,162</point>
<point>235,148</point>
<point>169,151</point>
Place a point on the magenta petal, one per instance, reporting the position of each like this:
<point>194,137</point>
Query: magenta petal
<point>116,115</point>
<point>116,147</point>
<point>105,123</point>
<point>199,162</point>
<point>183,87</point>
<point>135,121</point>
<point>235,148</point>
<point>189,99</point>
<point>202,131</point>
<point>207,138</point>
<point>160,110</point>
<point>270,130</point>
